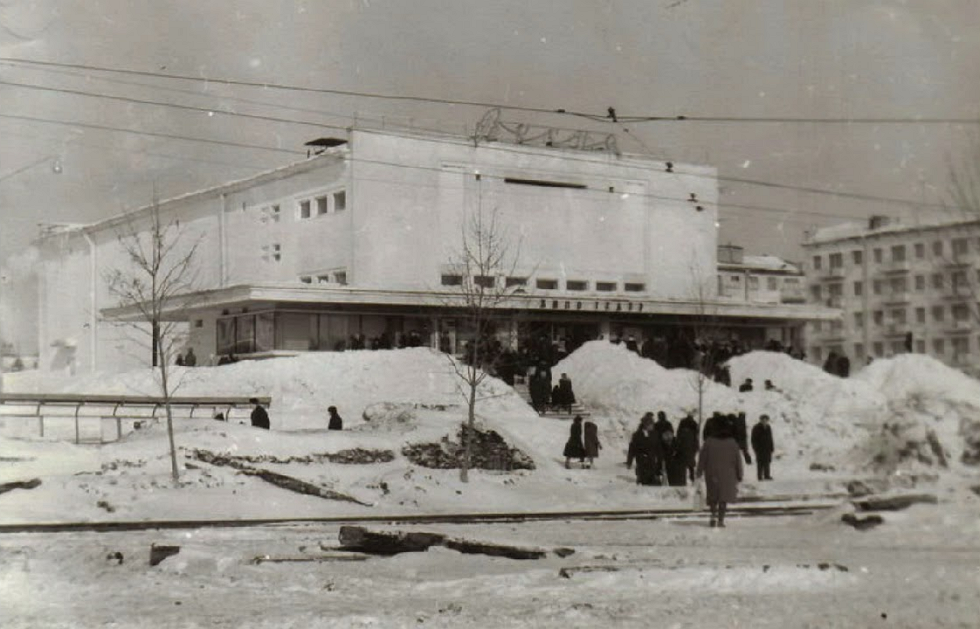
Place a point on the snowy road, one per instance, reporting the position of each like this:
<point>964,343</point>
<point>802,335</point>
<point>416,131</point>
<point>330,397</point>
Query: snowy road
<point>762,572</point>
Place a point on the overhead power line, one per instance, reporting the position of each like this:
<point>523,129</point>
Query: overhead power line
<point>206,110</point>
<point>605,118</point>
<point>86,125</point>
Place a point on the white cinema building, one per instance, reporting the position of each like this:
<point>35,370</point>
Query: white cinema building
<point>358,238</point>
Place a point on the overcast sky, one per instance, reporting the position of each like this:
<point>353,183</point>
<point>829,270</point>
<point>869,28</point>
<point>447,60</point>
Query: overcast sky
<point>802,59</point>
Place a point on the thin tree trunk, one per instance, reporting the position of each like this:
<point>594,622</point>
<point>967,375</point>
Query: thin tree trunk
<point>165,387</point>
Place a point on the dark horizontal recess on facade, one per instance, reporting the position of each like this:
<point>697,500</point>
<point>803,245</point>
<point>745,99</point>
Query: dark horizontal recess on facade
<point>544,183</point>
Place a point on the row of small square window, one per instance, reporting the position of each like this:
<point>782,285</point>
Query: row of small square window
<point>957,279</point>
<point>958,247</point>
<point>959,313</point>
<point>960,347</point>
<point>327,277</point>
<point>487,281</point>
<point>308,208</point>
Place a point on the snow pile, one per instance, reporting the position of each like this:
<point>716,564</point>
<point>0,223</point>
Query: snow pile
<point>933,413</point>
<point>617,382</point>
<point>302,387</point>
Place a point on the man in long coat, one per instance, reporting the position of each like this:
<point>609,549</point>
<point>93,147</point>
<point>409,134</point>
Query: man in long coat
<point>762,444</point>
<point>720,462</point>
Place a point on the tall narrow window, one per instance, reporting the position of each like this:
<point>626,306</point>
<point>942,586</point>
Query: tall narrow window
<point>304,208</point>
<point>340,201</point>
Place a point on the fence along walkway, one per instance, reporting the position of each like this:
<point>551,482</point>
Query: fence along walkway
<point>53,414</point>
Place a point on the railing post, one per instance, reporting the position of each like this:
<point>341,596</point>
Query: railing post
<point>118,428</point>
<point>41,424</point>
<point>77,408</point>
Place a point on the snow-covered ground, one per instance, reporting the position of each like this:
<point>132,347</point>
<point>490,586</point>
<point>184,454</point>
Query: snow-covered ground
<point>901,423</point>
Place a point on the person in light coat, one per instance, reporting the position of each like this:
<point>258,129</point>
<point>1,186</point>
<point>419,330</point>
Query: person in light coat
<point>720,463</point>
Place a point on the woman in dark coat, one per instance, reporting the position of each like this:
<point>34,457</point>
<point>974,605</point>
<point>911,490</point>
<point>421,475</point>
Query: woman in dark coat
<point>336,421</point>
<point>574,448</point>
<point>720,462</point>
<point>592,445</point>
<point>674,464</point>
<point>689,443</point>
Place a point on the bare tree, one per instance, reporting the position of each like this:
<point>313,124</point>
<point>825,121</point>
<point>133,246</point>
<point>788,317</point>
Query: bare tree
<point>704,331</point>
<point>481,266</point>
<point>160,274</point>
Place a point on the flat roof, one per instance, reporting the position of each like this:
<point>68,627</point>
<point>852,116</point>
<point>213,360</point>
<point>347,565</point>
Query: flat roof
<point>250,295</point>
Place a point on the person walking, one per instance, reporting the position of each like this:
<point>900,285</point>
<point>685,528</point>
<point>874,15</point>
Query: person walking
<point>645,447</point>
<point>762,445</point>
<point>260,418</point>
<point>564,396</point>
<point>720,463</point>
<point>674,463</point>
<point>746,386</point>
<point>574,448</point>
<point>689,443</point>
<point>540,390</point>
<point>190,359</point>
<point>631,451</point>
<point>336,421</point>
<point>592,443</point>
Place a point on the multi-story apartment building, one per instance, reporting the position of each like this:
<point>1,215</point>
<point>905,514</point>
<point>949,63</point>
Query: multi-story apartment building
<point>358,240</point>
<point>901,288</point>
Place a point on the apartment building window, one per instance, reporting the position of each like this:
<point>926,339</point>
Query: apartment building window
<point>960,312</point>
<point>340,201</point>
<point>898,285</point>
<point>753,282</point>
<point>877,254</point>
<point>938,312</point>
<point>816,292</point>
<point>961,346</point>
<point>545,284</point>
<point>771,283</point>
<point>305,208</point>
<point>920,315</point>
<point>859,351</point>
<point>920,250</point>
<point>577,285</point>
<point>306,279</point>
<point>321,205</point>
<point>938,347</point>
<point>634,287</point>
<point>879,317</point>
<point>817,262</point>
<point>961,246</point>
<point>484,281</point>
<point>340,277</point>
<point>898,253</point>
<point>836,290</point>
<point>836,260</point>
<point>877,287</point>
<point>271,213</point>
<point>510,282</point>
<point>858,289</point>
<point>272,253</point>
<point>958,279</point>
<point>859,320</point>
<point>937,248</point>
<point>920,282</point>
<point>920,346</point>
<point>605,287</point>
<point>879,348</point>
<point>858,256</point>
<point>898,347</point>
<point>836,326</point>
<point>937,280</point>
<point>898,315</point>
<point>452,280</point>
<point>817,326</point>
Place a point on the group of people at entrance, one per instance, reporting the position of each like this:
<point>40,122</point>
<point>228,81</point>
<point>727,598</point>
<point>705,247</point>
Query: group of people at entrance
<point>661,455</point>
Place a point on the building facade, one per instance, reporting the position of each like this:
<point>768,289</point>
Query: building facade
<point>900,288</point>
<point>358,241</point>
